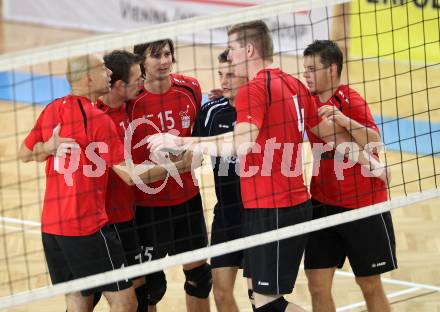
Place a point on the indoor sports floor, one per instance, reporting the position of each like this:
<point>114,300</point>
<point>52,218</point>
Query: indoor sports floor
<point>414,286</point>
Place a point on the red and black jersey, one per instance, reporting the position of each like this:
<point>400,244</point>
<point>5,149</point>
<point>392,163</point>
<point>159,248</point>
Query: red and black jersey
<point>120,195</point>
<point>281,107</point>
<point>354,190</point>
<point>176,109</point>
<point>74,202</point>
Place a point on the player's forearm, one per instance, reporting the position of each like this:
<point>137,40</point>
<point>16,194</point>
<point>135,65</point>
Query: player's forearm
<point>189,162</point>
<point>139,173</point>
<point>154,174</point>
<point>362,134</point>
<point>239,142</point>
<point>39,153</point>
<point>25,154</point>
<point>329,131</point>
<point>219,145</point>
<point>357,153</point>
<point>148,173</point>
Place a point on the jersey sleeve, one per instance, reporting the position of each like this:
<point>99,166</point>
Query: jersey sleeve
<point>308,102</point>
<point>107,133</point>
<point>358,110</point>
<point>36,134</point>
<point>43,127</point>
<point>251,104</point>
<point>198,125</point>
<point>198,92</point>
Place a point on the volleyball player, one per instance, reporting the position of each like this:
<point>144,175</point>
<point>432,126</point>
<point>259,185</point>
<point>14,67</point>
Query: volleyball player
<point>171,220</point>
<point>125,82</point>
<point>369,243</point>
<point>74,212</point>
<point>217,117</point>
<point>273,110</point>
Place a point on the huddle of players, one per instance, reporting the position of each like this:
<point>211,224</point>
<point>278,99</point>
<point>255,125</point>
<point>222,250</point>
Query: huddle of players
<point>258,103</point>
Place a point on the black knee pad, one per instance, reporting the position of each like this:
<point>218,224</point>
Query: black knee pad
<point>141,295</point>
<point>278,305</point>
<point>156,286</point>
<point>96,297</point>
<point>198,281</point>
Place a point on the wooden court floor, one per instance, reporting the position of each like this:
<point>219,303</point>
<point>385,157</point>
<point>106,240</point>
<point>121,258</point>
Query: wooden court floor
<point>413,287</point>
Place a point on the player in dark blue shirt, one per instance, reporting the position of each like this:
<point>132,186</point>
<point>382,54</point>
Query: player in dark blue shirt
<point>217,117</point>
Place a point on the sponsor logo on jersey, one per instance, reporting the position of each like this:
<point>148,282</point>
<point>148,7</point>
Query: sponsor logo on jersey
<point>186,120</point>
<point>180,81</point>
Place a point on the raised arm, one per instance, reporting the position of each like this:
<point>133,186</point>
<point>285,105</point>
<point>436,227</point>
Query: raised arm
<point>239,142</point>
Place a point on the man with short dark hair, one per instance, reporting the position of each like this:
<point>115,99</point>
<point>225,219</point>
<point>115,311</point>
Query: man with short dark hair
<point>216,117</point>
<point>368,243</point>
<point>169,213</point>
<point>125,82</point>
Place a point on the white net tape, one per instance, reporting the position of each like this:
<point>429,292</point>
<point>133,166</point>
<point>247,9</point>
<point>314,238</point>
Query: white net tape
<point>151,33</point>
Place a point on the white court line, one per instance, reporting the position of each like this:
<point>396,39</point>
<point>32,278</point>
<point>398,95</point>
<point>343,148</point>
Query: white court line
<point>19,221</point>
<point>30,226</point>
<point>20,230</point>
<point>391,295</point>
<point>396,282</point>
<point>391,281</point>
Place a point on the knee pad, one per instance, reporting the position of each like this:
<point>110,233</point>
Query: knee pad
<point>141,295</point>
<point>96,298</point>
<point>278,305</point>
<point>198,281</point>
<point>155,286</point>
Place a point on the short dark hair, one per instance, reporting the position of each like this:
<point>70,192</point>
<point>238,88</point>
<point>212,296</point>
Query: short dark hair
<point>120,63</point>
<point>152,48</point>
<point>223,57</point>
<point>328,52</point>
<point>257,33</point>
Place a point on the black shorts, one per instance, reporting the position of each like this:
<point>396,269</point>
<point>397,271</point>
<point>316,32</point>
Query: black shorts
<point>274,267</point>
<point>72,257</point>
<point>127,234</point>
<point>369,243</point>
<point>171,229</point>
<point>226,226</point>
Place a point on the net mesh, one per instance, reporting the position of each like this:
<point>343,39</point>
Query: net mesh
<point>392,60</point>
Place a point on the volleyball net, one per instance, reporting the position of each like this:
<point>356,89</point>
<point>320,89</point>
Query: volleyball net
<point>392,59</point>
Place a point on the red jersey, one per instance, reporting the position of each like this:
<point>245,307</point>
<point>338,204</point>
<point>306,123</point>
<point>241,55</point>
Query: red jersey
<point>175,109</point>
<point>74,204</point>
<point>280,106</point>
<point>120,196</point>
<point>355,190</point>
